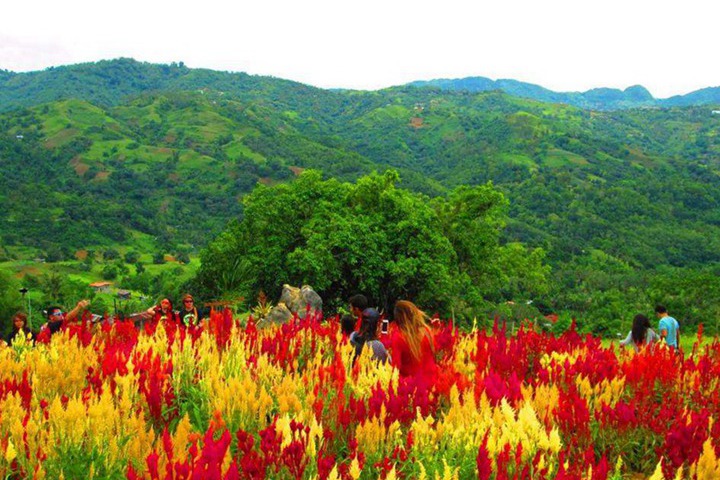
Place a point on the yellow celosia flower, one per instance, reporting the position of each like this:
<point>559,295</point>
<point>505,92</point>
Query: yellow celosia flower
<point>10,452</point>
<point>181,439</point>
<point>658,475</point>
<point>555,442</point>
<point>448,472</point>
<point>423,473</point>
<point>334,474</point>
<point>707,466</point>
<point>283,427</point>
<point>355,469</point>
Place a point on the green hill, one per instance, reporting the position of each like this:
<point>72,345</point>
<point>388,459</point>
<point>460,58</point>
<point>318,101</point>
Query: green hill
<point>106,153</point>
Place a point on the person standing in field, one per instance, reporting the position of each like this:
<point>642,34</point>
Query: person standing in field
<point>412,345</point>
<point>668,327</point>
<point>163,312</point>
<point>56,318</point>
<point>20,329</point>
<point>367,330</point>
<point>641,333</point>
<point>189,313</point>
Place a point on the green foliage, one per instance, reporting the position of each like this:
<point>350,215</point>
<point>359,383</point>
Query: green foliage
<point>368,237</point>
<point>109,272</point>
<point>110,254</point>
<point>131,154</point>
<point>10,301</point>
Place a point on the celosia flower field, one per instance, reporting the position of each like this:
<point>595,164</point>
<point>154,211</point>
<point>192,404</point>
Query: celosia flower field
<point>284,402</point>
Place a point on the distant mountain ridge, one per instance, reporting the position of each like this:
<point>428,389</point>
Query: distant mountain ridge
<point>635,96</point>
<point>109,82</point>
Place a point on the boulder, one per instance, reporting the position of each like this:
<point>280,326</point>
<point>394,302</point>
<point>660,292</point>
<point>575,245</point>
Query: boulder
<point>279,314</point>
<point>298,299</point>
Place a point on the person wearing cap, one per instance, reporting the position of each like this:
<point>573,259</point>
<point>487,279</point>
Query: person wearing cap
<point>56,318</point>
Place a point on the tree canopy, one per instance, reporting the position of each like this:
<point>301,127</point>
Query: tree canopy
<point>374,238</point>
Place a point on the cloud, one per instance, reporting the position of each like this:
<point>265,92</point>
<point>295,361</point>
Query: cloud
<point>21,55</point>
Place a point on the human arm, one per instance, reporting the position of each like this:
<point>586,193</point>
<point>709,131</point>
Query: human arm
<point>72,314</point>
<point>663,329</point>
<point>627,339</point>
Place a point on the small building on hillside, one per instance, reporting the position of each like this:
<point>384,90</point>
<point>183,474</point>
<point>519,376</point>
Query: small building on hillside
<point>101,287</point>
<point>124,294</point>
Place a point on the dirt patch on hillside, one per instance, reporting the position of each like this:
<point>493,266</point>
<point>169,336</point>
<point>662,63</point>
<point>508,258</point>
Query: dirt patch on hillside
<point>267,181</point>
<point>416,122</point>
<point>102,176</point>
<point>81,254</point>
<point>296,170</point>
<point>169,258</point>
<point>28,271</point>
<point>63,136</point>
<point>79,167</point>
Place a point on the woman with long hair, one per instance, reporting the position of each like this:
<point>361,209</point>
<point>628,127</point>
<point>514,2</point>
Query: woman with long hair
<point>162,313</point>
<point>641,333</point>
<point>20,329</point>
<point>413,348</point>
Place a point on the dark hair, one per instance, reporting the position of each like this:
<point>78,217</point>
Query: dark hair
<point>347,324</point>
<point>660,309</point>
<point>162,300</point>
<point>359,301</point>
<point>21,316</point>
<point>639,329</point>
<point>51,309</point>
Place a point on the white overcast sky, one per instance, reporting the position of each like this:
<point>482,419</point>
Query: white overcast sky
<point>564,45</point>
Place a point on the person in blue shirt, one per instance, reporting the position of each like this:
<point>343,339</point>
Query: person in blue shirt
<point>668,327</point>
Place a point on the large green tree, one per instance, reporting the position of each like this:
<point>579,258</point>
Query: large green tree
<point>375,238</point>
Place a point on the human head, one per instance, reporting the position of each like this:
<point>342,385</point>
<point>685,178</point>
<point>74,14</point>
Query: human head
<point>19,321</point>
<point>411,322</point>
<point>188,301</point>
<point>639,328</point>
<point>54,313</point>
<point>347,324</point>
<point>407,314</point>
<point>358,303</point>
<point>660,310</point>
<point>165,305</point>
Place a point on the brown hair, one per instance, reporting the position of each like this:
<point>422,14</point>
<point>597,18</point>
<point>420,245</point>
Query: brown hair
<point>22,317</point>
<point>411,322</point>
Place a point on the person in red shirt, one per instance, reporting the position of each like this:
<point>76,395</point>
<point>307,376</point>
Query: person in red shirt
<point>162,313</point>
<point>412,344</point>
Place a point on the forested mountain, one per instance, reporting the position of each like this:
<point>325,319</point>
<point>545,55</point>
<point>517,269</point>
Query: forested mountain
<point>101,153</point>
<point>636,96</point>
